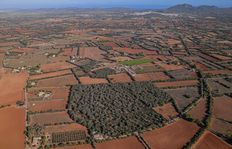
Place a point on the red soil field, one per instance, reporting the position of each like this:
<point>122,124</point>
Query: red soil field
<point>201,66</point>
<point>40,106</point>
<point>167,111</point>
<point>111,44</point>
<point>152,76</point>
<point>12,128</point>
<point>119,78</point>
<point>127,143</point>
<point>173,41</point>
<point>64,128</point>
<point>185,83</point>
<point>173,136</point>
<point>210,141</point>
<point>222,108</point>
<point>88,80</point>
<point>218,72</point>
<point>220,126</point>
<point>221,57</point>
<point>91,52</point>
<point>168,67</point>
<point>57,81</point>
<point>198,112</point>
<point>134,51</point>
<point>55,93</point>
<point>83,146</point>
<point>8,44</point>
<point>26,50</point>
<point>50,118</point>
<point>121,58</point>
<point>56,66</point>
<point>69,52</point>
<point>50,74</point>
<point>12,87</point>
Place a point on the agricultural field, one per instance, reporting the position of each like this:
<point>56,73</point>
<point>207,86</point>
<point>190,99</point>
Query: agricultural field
<point>56,81</point>
<point>49,75</point>
<point>184,96</point>
<point>136,62</point>
<point>210,141</point>
<point>153,76</point>
<point>56,66</point>
<point>167,111</point>
<point>182,74</point>
<point>88,80</point>
<point>50,118</point>
<point>51,105</point>
<point>44,94</point>
<point>85,146</point>
<point>198,111</point>
<point>12,126</point>
<point>176,84</point>
<point>14,91</point>
<point>221,126</point>
<point>225,112</point>
<point>158,138</point>
<point>91,53</point>
<point>130,142</point>
<point>116,78</point>
<point>119,78</point>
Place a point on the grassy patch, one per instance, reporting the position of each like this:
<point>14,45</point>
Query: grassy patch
<point>136,62</point>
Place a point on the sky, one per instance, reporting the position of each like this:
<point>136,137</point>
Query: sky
<point>25,4</point>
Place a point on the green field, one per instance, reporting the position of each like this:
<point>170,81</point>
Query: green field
<point>136,62</point>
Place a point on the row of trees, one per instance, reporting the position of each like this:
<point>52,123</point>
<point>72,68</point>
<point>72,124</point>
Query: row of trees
<point>206,121</point>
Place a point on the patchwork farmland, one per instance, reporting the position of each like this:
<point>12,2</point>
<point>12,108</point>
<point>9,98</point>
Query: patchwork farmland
<point>115,79</point>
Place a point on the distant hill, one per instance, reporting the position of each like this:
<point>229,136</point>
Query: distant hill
<point>200,10</point>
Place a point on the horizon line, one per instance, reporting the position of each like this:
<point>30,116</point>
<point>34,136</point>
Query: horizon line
<point>141,7</point>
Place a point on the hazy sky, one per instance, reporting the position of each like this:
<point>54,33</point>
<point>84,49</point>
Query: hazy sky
<point>107,3</point>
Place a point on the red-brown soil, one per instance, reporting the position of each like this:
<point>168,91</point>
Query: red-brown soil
<point>91,52</point>
<point>201,66</point>
<point>134,51</point>
<point>222,108</point>
<point>185,83</point>
<point>121,58</point>
<point>56,66</point>
<point>88,80</point>
<point>210,141</point>
<point>119,78</point>
<point>55,93</point>
<point>40,106</point>
<point>64,128</point>
<point>198,112</point>
<point>12,128</point>
<point>50,118</point>
<point>12,87</point>
<point>173,136</point>
<point>50,74</point>
<point>168,67</point>
<point>167,111</point>
<point>57,81</point>
<point>153,76</point>
<point>218,72</point>
<point>83,146</point>
<point>69,52</point>
<point>127,143</point>
<point>221,57</point>
<point>26,50</point>
<point>220,126</point>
